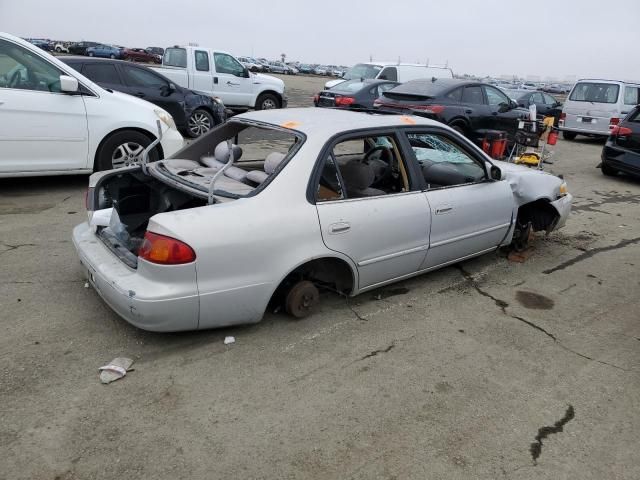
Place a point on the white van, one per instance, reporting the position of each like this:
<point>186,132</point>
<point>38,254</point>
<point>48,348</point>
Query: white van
<point>54,121</point>
<point>394,71</point>
<point>595,106</point>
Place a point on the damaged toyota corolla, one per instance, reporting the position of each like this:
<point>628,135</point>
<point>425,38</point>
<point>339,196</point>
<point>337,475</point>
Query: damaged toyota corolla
<point>275,205</point>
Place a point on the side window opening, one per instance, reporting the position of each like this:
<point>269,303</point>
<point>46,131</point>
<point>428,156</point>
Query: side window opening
<point>389,73</point>
<point>473,96</point>
<point>24,70</point>
<point>369,166</point>
<point>202,61</point>
<point>443,163</point>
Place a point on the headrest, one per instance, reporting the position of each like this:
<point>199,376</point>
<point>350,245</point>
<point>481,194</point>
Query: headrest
<point>357,175</point>
<point>272,161</point>
<point>221,153</point>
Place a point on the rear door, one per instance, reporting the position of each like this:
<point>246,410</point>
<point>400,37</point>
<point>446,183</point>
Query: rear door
<point>234,88</point>
<point>201,77</point>
<point>104,74</point>
<point>146,84</point>
<point>470,214</point>
<point>476,110</point>
<point>41,128</point>
<point>382,225</point>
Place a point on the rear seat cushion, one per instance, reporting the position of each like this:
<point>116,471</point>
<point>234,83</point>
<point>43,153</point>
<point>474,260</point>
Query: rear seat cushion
<point>272,161</point>
<point>232,172</point>
<point>257,176</point>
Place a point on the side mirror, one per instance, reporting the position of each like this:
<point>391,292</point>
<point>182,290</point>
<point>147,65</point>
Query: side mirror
<point>246,73</point>
<point>68,84</point>
<point>495,173</point>
<point>504,107</point>
<point>512,104</point>
<point>172,87</point>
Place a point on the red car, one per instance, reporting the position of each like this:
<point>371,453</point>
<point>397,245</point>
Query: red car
<point>140,55</point>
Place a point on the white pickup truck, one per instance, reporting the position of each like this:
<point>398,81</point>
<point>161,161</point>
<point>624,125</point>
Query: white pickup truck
<point>220,74</point>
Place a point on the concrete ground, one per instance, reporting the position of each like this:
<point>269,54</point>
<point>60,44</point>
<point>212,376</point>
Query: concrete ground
<point>468,372</point>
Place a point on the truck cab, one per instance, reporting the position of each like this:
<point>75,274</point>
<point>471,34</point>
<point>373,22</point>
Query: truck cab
<point>221,74</point>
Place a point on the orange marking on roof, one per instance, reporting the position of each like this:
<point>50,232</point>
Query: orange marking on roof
<point>407,120</point>
<point>290,124</point>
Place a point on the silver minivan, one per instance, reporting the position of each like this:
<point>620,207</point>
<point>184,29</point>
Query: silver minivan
<point>595,106</point>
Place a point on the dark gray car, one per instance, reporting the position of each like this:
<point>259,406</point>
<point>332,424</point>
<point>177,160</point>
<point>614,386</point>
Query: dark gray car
<point>353,93</point>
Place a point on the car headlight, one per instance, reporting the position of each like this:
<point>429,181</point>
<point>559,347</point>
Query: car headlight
<point>217,100</point>
<point>563,189</point>
<point>165,118</point>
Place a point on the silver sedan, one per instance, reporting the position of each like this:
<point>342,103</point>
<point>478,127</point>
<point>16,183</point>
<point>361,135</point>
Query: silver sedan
<point>273,206</point>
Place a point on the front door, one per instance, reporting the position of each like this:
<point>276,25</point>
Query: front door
<point>232,86</point>
<point>202,78</point>
<point>41,128</point>
<point>470,214</point>
<point>371,209</point>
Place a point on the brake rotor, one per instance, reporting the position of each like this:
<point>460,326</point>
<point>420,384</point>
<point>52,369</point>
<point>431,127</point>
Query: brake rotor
<point>302,299</point>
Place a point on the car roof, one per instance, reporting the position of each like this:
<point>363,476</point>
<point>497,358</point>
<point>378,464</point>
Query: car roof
<point>366,83</point>
<point>431,86</point>
<point>606,80</point>
<point>330,121</point>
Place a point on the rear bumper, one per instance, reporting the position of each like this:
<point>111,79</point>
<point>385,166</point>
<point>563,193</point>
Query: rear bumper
<point>621,159</point>
<point>563,206</point>
<point>142,297</point>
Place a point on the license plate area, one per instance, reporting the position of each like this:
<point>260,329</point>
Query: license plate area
<point>586,120</point>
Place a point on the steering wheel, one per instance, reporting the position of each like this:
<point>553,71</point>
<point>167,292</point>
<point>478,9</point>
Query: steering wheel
<point>15,80</point>
<point>375,155</point>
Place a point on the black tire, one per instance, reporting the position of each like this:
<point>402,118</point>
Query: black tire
<point>110,149</point>
<point>569,135</point>
<point>198,121</point>
<point>267,101</point>
<point>607,170</point>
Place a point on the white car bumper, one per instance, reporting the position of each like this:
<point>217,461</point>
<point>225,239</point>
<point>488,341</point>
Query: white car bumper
<point>171,142</point>
<point>153,297</point>
<point>563,206</point>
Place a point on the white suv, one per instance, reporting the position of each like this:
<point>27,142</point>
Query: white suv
<point>55,121</point>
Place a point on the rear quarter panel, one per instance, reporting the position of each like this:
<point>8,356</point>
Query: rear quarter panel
<point>246,247</point>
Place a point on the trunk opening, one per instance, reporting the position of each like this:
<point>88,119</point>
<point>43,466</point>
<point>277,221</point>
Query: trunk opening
<point>135,198</point>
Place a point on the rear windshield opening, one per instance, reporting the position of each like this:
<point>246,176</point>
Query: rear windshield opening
<point>175,57</point>
<point>259,154</point>
<point>595,92</point>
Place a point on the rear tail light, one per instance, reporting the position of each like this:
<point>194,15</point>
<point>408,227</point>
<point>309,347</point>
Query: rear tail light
<point>316,97</point>
<point>165,250</point>
<point>563,116</point>
<point>618,131</point>
<point>429,108</point>
<point>378,103</point>
<point>614,121</point>
<point>344,101</point>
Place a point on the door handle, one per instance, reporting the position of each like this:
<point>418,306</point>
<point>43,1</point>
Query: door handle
<point>231,83</point>
<point>444,209</point>
<point>139,94</point>
<point>468,111</point>
<point>339,227</point>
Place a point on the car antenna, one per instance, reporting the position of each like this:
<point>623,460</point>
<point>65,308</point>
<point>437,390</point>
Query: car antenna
<point>145,153</point>
<point>219,173</point>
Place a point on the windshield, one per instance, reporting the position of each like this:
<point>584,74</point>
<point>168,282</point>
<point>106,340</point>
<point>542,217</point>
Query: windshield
<point>595,92</point>
<point>175,57</point>
<point>362,70</point>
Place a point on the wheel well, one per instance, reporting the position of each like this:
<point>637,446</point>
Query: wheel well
<point>106,137</point>
<point>541,214</point>
<point>459,122</point>
<point>328,272</point>
<point>276,94</point>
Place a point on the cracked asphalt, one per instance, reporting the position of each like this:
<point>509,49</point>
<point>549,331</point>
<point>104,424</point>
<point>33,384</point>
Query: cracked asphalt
<point>486,370</point>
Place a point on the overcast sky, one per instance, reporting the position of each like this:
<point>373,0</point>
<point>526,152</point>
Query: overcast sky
<point>584,38</point>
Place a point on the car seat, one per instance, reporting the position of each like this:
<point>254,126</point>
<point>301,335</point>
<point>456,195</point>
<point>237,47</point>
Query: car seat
<point>221,157</point>
<point>271,162</point>
<point>358,179</point>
